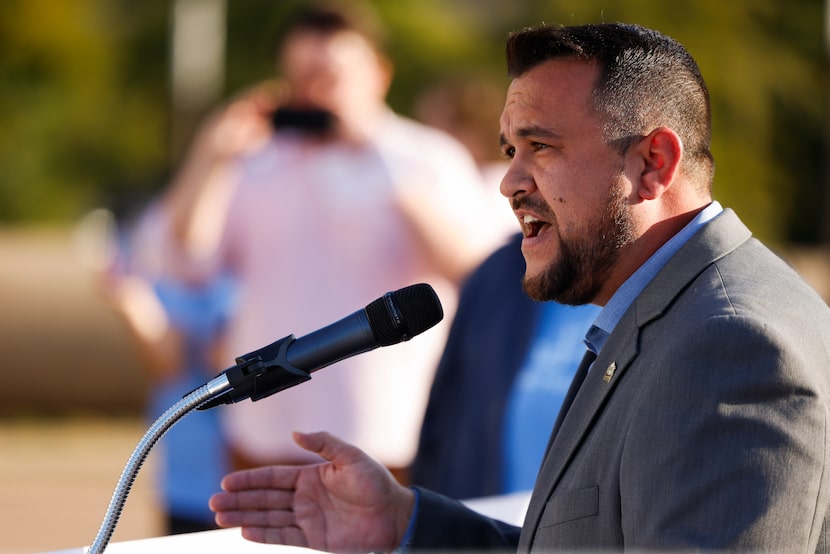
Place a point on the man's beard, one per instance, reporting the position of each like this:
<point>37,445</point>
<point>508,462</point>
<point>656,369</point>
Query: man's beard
<point>585,262</point>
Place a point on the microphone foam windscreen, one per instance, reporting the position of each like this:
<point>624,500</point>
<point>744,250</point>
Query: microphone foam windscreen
<point>404,313</point>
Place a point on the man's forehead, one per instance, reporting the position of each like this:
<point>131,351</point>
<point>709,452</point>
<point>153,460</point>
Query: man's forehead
<point>552,100</point>
<point>570,74</point>
<point>553,85</point>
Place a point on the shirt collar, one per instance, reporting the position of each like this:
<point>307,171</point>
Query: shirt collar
<point>634,285</point>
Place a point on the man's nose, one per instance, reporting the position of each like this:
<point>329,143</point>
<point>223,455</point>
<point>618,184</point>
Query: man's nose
<point>516,181</point>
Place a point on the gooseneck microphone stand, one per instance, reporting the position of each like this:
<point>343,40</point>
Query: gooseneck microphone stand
<point>256,375</point>
<point>150,438</point>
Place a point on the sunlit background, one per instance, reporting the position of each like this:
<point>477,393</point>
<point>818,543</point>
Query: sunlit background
<point>98,99</point>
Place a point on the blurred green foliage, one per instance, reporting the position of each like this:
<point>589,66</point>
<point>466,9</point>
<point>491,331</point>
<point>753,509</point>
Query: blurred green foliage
<point>86,114</point>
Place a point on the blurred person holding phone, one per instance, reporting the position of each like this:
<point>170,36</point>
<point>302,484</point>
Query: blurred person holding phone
<point>318,199</point>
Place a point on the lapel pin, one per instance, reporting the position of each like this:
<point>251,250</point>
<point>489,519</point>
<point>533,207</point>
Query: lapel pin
<point>609,373</point>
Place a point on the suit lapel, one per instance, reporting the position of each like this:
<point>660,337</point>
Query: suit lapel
<point>574,425</point>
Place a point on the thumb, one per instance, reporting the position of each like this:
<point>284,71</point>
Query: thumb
<point>327,446</point>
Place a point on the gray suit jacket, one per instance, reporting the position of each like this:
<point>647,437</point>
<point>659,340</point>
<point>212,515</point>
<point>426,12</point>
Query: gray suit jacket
<point>703,423</point>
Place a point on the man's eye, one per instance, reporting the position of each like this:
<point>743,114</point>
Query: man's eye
<point>508,152</point>
<point>538,146</point>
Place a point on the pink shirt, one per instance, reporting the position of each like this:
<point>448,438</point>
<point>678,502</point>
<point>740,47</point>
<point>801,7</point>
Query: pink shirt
<point>314,233</point>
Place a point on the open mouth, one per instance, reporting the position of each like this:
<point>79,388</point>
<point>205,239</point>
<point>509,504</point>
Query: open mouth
<point>531,226</point>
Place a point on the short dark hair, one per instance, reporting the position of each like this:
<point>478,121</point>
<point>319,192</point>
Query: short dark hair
<point>333,16</point>
<point>646,80</point>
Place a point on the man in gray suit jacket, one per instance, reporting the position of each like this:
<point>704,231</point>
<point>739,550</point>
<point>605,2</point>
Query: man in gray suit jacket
<point>699,417</point>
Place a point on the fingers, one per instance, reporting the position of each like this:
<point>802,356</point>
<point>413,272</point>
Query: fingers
<point>265,516</point>
<point>271,477</point>
<point>256,518</point>
<point>254,508</point>
<point>260,499</point>
<point>265,526</point>
<point>328,447</point>
<point>313,442</point>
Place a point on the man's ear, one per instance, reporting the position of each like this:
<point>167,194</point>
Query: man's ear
<point>659,155</point>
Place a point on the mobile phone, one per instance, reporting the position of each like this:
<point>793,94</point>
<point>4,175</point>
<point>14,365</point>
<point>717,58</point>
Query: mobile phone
<point>310,120</point>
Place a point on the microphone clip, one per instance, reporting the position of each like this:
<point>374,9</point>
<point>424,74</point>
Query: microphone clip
<point>260,374</point>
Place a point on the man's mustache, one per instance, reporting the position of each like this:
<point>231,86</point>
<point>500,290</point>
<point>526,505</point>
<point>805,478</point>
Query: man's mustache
<point>535,205</point>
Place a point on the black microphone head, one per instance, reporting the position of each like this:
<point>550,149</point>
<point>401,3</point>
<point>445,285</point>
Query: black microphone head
<point>400,315</point>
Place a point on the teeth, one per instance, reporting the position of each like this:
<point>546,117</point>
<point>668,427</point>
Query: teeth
<point>528,219</point>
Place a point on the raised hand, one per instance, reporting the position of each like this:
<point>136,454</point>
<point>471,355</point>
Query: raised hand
<point>350,503</point>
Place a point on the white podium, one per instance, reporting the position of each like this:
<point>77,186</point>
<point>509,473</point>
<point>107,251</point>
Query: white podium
<point>510,508</point>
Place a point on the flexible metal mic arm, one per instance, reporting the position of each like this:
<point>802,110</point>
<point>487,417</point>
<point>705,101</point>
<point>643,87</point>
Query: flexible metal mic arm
<point>256,375</point>
<point>209,390</point>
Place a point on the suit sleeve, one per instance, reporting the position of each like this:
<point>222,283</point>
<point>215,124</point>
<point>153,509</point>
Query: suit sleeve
<point>443,523</point>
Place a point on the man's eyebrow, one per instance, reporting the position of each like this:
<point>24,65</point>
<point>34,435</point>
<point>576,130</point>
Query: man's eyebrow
<point>533,131</point>
<point>536,131</point>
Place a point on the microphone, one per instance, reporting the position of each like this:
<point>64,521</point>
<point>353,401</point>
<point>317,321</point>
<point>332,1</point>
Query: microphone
<point>394,317</point>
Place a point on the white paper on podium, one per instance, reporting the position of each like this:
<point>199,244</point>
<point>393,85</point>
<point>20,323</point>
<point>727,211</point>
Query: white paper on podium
<point>509,508</point>
<point>223,541</point>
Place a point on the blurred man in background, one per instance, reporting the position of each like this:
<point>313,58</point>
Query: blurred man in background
<point>321,199</point>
